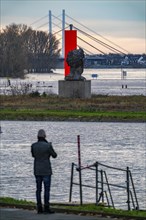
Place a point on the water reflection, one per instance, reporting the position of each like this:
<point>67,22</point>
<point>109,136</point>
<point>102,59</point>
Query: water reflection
<point>115,144</point>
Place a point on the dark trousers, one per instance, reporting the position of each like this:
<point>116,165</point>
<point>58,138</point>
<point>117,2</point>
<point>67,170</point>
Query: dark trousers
<point>47,184</point>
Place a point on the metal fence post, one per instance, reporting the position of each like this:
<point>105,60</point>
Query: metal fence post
<point>102,190</point>
<point>96,183</point>
<point>71,182</point>
<point>137,205</point>
<point>128,189</point>
<point>79,165</point>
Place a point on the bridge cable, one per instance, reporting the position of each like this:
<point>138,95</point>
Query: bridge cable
<point>88,52</point>
<point>80,38</point>
<point>38,20</point>
<point>97,33</point>
<point>91,46</point>
<point>42,25</point>
<point>95,39</point>
<point>59,31</point>
<point>100,42</point>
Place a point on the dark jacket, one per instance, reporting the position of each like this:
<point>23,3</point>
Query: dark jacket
<point>41,151</point>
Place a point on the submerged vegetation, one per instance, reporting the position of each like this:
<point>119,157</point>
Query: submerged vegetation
<point>52,107</point>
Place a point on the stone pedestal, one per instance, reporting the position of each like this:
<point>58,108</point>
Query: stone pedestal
<point>75,89</point>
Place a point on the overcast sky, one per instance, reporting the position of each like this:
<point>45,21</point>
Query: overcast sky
<point>121,21</point>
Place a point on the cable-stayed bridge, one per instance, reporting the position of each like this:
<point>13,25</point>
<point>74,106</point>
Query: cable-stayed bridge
<point>57,24</point>
<point>97,48</point>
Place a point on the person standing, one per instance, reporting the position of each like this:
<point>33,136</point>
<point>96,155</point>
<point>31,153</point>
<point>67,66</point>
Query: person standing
<point>42,150</point>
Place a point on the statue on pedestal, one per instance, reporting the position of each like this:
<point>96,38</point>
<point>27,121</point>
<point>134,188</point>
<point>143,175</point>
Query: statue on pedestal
<point>75,59</point>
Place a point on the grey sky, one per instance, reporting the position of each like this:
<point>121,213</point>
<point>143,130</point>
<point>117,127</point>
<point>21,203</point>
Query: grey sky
<point>123,21</point>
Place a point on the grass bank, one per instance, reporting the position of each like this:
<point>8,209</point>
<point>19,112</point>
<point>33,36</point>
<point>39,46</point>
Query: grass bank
<point>74,208</point>
<point>98,108</point>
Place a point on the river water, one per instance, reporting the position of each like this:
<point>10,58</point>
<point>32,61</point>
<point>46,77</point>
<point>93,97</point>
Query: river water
<point>108,82</point>
<point>114,144</point>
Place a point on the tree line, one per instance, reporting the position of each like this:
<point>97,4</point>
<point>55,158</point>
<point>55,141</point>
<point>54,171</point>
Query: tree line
<point>26,50</point>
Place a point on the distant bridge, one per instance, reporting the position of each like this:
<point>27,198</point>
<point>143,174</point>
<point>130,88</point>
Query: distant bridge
<point>94,42</point>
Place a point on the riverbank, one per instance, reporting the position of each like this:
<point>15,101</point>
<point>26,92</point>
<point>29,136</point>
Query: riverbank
<point>53,108</point>
<point>76,209</point>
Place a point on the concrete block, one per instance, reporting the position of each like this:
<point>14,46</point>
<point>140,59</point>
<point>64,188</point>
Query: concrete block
<point>74,89</point>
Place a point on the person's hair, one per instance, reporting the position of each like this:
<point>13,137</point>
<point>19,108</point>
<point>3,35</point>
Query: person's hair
<point>41,133</point>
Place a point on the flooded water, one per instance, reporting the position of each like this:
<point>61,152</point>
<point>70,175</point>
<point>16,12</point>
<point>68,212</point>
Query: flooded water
<point>101,74</point>
<point>108,82</point>
<point>114,144</point>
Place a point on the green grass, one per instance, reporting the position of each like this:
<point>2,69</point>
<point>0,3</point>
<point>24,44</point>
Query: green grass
<point>98,108</point>
<point>106,210</point>
<point>92,208</point>
<point>9,200</point>
<point>36,114</point>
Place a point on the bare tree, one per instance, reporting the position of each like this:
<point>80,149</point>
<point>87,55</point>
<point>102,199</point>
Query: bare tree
<point>24,48</point>
<point>13,54</point>
<point>42,52</point>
